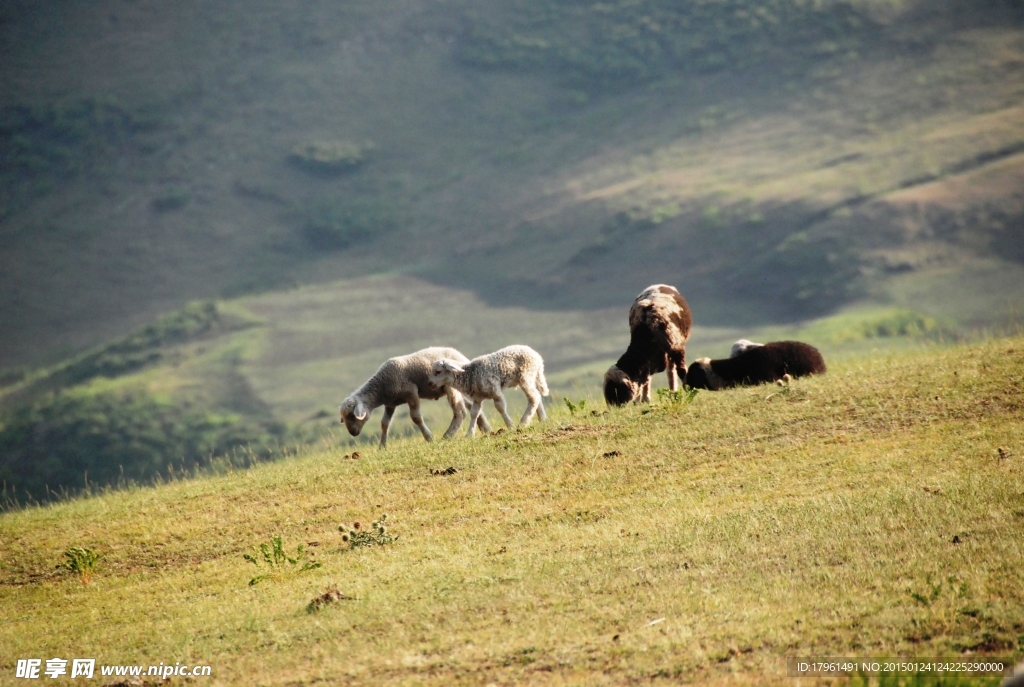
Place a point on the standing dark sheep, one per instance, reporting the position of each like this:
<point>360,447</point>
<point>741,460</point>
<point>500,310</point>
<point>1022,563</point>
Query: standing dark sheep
<point>757,365</point>
<point>659,325</point>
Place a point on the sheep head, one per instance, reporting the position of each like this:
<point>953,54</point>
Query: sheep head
<point>442,372</point>
<point>619,389</point>
<point>702,376</point>
<point>742,346</point>
<point>353,415</point>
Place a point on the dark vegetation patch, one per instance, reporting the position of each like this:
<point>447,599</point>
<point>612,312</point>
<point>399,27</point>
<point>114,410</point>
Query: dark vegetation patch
<point>67,431</point>
<point>67,441</point>
<point>174,199</point>
<point>338,224</point>
<point>623,42</point>
<point>146,346</point>
<point>43,145</point>
<point>773,262</point>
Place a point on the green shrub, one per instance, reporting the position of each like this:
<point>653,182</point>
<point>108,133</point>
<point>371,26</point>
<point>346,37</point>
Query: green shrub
<point>620,42</point>
<point>329,157</point>
<point>67,441</point>
<point>338,225</point>
<point>42,145</point>
<point>143,347</point>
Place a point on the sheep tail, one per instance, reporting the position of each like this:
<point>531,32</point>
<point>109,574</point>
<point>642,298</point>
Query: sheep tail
<point>542,383</point>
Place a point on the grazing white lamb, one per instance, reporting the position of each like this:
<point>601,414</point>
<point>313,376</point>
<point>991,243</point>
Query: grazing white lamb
<point>405,380</point>
<point>485,377</point>
<point>742,346</point>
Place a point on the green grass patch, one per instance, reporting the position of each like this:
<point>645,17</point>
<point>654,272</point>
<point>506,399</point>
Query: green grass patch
<point>596,45</point>
<point>873,511</point>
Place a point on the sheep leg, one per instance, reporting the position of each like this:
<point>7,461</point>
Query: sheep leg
<point>645,391</point>
<point>534,404</point>
<point>482,422</point>
<point>384,424</point>
<point>417,417</point>
<point>499,403</point>
<point>676,370</point>
<point>474,415</point>
<point>459,411</point>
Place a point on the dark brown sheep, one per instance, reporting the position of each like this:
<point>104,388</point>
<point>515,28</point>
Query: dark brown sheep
<point>758,365</point>
<point>659,325</point>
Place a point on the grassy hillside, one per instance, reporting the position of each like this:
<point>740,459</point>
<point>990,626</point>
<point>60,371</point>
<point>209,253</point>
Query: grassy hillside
<point>874,511</point>
<point>769,158</point>
<point>246,378</point>
<point>342,182</point>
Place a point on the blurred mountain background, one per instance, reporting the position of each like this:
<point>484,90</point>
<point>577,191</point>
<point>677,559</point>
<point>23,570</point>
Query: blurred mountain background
<point>218,218</point>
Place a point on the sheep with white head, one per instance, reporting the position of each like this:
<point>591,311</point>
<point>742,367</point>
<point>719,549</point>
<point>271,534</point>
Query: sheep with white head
<point>405,380</point>
<point>484,378</point>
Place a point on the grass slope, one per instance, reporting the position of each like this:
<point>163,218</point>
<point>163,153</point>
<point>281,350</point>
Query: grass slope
<point>247,376</point>
<point>245,371</point>
<point>874,511</point>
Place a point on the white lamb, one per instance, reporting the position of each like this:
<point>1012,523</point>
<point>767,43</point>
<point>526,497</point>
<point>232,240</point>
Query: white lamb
<point>485,377</point>
<point>405,380</point>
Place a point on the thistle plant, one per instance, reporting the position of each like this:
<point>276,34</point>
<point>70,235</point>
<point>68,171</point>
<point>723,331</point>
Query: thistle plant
<point>81,561</point>
<point>377,535</point>
<point>277,561</point>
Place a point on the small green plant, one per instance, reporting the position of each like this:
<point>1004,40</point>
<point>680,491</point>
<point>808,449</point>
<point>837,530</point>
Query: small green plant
<point>377,535</point>
<point>275,558</point>
<point>677,397</point>
<point>574,407</point>
<point>81,561</point>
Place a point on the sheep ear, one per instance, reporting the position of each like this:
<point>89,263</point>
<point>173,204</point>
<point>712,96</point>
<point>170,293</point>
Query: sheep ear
<point>360,412</point>
<point>453,366</point>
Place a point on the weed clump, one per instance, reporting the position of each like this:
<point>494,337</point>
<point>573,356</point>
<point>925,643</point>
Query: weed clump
<point>81,561</point>
<point>574,407</point>
<point>277,561</point>
<point>677,397</point>
<point>377,535</point>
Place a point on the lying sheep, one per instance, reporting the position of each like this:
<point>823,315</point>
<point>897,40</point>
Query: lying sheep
<point>405,380</point>
<point>485,377</point>
<point>742,346</point>
<point>659,325</point>
<point>757,365</point>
